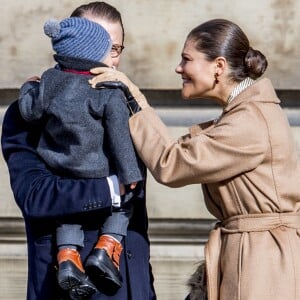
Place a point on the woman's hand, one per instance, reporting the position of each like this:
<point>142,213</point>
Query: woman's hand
<point>34,78</point>
<point>110,78</point>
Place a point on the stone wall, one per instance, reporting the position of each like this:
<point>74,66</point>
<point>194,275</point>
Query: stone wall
<point>155,33</point>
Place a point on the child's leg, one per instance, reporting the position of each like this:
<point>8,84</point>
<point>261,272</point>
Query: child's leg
<point>69,236</point>
<point>71,275</point>
<point>103,263</point>
<point>116,225</point>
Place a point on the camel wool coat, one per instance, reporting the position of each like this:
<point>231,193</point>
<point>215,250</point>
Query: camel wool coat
<point>247,164</point>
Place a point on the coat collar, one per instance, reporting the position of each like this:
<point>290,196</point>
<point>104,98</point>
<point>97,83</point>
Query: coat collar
<point>260,91</point>
<point>67,62</point>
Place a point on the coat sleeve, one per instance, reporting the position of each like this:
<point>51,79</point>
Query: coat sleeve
<point>129,168</point>
<point>38,192</point>
<point>231,147</point>
<point>30,104</point>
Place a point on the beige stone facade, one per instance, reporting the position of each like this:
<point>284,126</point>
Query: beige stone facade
<point>155,33</point>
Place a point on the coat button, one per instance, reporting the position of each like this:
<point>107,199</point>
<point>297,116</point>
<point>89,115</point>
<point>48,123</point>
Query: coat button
<point>129,254</point>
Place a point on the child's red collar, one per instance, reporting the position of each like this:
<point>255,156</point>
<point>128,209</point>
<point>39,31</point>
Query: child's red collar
<point>77,72</point>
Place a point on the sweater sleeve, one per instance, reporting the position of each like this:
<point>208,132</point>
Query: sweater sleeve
<point>38,192</point>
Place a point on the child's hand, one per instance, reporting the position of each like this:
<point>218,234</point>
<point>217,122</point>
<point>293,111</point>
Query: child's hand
<point>122,189</point>
<point>133,185</point>
<point>34,78</point>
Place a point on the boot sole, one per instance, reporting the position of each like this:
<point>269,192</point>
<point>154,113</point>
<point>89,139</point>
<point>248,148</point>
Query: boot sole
<point>78,285</point>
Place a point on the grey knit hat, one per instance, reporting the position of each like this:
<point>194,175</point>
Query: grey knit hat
<point>78,37</point>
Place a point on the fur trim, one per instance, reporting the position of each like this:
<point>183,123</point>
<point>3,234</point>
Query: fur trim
<point>197,283</point>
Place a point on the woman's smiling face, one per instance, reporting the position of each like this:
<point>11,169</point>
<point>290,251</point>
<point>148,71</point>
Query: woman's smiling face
<point>196,71</point>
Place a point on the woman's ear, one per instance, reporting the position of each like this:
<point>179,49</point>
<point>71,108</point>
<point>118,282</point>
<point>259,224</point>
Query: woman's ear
<point>220,65</point>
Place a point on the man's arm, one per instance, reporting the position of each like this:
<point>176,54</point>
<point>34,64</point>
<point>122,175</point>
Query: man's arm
<point>38,192</point>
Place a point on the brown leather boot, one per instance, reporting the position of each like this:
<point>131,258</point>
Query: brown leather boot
<point>102,264</point>
<point>71,255</point>
<point>71,276</point>
<point>112,247</point>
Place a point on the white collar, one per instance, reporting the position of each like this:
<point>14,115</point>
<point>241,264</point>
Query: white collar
<point>239,88</point>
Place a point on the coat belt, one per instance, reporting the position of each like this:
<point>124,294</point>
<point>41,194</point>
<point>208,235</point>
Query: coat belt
<point>239,224</point>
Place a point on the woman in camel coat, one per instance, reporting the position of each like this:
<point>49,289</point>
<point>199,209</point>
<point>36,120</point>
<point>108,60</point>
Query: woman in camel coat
<point>246,161</point>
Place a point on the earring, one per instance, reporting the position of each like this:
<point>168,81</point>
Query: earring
<point>216,78</point>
